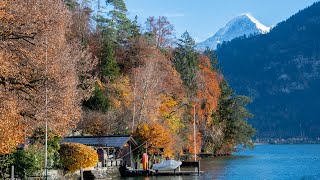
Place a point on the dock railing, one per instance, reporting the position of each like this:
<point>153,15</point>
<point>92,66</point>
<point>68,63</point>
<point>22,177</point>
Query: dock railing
<point>113,162</point>
<point>110,163</point>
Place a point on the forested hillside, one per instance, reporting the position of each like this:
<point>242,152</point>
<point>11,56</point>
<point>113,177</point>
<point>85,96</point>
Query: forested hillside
<point>280,71</point>
<point>92,73</point>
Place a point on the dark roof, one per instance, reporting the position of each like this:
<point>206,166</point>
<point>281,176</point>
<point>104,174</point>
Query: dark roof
<point>107,141</point>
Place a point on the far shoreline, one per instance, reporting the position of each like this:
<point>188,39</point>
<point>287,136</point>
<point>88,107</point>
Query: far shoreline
<point>295,140</point>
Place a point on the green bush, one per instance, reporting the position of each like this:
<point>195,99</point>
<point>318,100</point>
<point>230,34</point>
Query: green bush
<point>29,162</point>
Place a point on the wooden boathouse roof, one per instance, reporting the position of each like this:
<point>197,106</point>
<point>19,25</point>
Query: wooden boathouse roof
<point>107,141</point>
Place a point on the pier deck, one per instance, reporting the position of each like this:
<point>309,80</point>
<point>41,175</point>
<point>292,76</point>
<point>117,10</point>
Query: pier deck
<point>125,172</point>
<point>140,172</point>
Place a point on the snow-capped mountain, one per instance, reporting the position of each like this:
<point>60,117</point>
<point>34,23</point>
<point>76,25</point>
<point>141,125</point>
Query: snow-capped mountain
<point>243,24</point>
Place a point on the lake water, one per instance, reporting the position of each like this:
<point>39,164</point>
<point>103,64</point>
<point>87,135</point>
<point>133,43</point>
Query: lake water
<point>264,162</point>
<point>267,162</point>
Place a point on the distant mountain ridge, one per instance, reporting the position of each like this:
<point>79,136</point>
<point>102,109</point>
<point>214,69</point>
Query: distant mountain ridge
<point>244,24</point>
<point>280,70</point>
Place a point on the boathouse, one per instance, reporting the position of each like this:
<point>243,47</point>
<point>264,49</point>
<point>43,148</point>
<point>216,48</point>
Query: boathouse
<point>112,150</point>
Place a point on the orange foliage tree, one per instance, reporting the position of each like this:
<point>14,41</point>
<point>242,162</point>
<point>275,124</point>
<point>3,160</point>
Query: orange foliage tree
<point>25,27</point>
<point>208,90</point>
<point>146,83</point>
<point>207,95</point>
<point>190,145</point>
<point>152,76</point>
<point>11,126</point>
<point>158,137</point>
<point>75,156</point>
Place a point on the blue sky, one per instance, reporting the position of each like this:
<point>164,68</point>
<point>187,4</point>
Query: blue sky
<point>202,18</point>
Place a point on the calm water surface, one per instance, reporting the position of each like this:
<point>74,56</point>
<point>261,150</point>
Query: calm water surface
<point>264,162</point>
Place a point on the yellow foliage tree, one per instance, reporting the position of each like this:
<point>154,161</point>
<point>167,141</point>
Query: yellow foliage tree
<point>75,156</point>
<point>170,112</point>
<point>157,136</point>
<point>120,92</point>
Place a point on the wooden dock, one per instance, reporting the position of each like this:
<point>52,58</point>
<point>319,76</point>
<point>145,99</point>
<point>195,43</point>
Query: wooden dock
<point>140,172</point>
<point>204,155</point>
<point>179,173</point>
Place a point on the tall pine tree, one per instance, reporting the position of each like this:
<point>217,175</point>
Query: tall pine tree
<point>232,112</point>
<point>185,59</point>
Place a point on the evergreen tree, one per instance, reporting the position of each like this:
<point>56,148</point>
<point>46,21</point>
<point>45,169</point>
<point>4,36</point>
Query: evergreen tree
<point>135,28</point>
<point>117,26</point>
<point>185,59</point>
<point>232,112</point>
<point>115,31</point>
<point>99,101</point>
<point>71,4</point>
<point>109,67</point>
<point>213,59</point>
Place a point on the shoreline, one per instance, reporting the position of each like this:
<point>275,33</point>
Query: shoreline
<point>260,141</point>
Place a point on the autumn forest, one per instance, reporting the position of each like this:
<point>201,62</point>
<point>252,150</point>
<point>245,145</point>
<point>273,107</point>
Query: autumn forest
<point>90,72</point>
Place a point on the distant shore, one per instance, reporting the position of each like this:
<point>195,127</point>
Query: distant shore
<point>295,140</point>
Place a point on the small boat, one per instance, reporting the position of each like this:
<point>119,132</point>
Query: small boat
<point>167,165</point>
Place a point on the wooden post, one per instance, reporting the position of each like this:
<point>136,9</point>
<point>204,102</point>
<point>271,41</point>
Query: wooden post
<point>131,162</point>
<point>194,133</point>
<point>12,172</point>
<point>198,167</point>
<point>107,159</point>
<point>81,173</point>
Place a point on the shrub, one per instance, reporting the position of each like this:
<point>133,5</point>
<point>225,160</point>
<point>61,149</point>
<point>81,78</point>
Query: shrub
<point>29,162</point>
<point>74,156</point>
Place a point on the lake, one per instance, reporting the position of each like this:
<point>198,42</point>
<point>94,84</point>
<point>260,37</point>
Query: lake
<point>264,162</point>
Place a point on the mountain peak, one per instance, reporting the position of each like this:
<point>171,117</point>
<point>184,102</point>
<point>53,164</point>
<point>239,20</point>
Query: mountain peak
<point>264,29</point>
<point>248,17</point>
<point>244,24</point>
